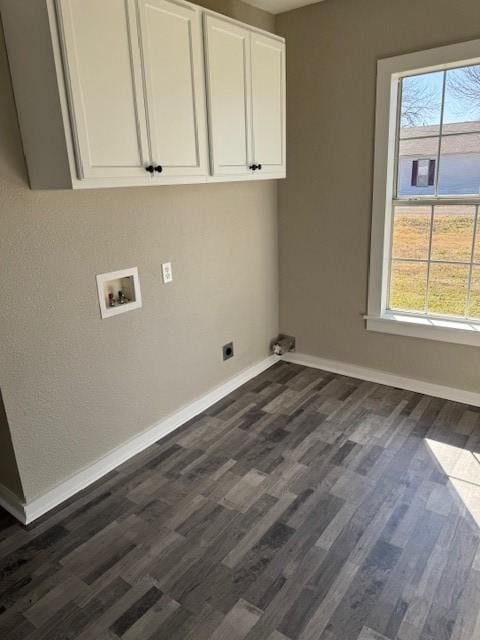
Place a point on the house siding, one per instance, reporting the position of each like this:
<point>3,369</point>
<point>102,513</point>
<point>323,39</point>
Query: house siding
<point>459,174</point>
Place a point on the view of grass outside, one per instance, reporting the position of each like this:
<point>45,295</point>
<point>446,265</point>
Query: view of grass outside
<point>446,237</point>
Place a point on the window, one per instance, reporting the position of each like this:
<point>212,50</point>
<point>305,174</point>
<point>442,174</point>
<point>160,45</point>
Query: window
<point>423,173</point>
<point>425,256</point>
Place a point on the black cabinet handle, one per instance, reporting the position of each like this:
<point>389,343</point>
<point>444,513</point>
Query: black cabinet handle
<point>159,168</point>
<point>150,168</point>
<point>253,167</point>
<point>259,166</point>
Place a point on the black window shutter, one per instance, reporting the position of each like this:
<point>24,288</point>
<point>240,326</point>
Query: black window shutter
<point>431,173</point>
<point>414,173</point>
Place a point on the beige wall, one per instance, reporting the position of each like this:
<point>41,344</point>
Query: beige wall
<point>325,204</point>
<point>241,11</point>
<point>76,386</point>
<point>9,475</point>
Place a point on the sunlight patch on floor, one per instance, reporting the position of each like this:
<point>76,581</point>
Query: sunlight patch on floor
<point>463,470</point>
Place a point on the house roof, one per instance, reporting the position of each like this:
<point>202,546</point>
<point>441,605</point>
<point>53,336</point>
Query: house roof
<point>422,141</point>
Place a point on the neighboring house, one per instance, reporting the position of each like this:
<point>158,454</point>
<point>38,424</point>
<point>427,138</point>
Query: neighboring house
<point>459,166</point>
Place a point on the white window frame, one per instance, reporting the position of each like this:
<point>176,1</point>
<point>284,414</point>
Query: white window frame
<point>379,317</point>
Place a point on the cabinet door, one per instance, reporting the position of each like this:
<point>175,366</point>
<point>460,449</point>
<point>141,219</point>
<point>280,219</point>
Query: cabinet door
<point>268,103</point>
<point>175,86</point>
<point>228,81</point>
<point>103,77</point>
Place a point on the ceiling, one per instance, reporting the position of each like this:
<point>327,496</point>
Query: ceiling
<point>279,6</point>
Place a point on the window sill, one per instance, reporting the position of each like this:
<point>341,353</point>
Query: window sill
<point>455,331</point>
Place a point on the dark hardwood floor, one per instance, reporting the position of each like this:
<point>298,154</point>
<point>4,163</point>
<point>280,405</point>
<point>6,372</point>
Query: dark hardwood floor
<point>304,506</point>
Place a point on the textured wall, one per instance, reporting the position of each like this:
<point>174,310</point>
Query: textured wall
<point>241,11</point>
<point>325,203</point>
<point>9,474</point>
<point>75,386</point>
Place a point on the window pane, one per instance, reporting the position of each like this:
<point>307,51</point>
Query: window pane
<point>452,235</point>
<point>474,307</point>
<point>459,171</point>
<point>448,289</point>
<point>421,105</point>
<point>408,286</point>
<point>462,105</point>
<point>412,155</point>
<point>411,232</point>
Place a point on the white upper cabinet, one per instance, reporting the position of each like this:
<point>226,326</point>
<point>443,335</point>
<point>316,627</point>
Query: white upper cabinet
<point>171,43</point>
<point>268,103</point>
<point>136,83</point>
<point>227,48</point>
<point>114,93</point>
<point>246,100</point>
<point>104,84</point>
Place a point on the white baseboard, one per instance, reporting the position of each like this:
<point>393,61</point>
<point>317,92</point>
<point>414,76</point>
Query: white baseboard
<point>30,511</point>
<point>384,377</point>
<point>27,512</point>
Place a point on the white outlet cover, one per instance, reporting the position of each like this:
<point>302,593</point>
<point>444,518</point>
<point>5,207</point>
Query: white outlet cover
<point>167,272</point>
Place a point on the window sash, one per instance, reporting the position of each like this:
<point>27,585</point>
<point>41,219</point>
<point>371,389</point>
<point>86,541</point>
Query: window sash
<point>473,262</point>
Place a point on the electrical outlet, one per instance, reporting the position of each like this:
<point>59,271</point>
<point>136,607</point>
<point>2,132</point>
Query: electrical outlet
<point>227,350</point>
<point>167,272</point>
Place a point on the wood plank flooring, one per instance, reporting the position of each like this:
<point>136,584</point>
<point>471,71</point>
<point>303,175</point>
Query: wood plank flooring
<point>304,506</point>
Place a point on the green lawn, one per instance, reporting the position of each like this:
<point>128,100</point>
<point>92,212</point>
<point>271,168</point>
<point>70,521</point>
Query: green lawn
<point>452,239</point>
